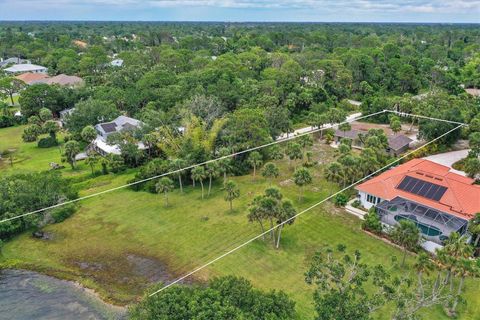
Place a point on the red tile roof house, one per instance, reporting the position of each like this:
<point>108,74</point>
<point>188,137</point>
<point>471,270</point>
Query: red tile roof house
<point>438,201</point>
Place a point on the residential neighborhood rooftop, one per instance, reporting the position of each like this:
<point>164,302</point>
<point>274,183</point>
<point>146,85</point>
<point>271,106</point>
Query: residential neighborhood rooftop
<point>428,183</point>
<point>64,80</point>
<point>31,78</point>
<point>13,60</point>
<point>25,67</point>
<point>117,125</point>
<point>398,141</point>
<point>395,142</point>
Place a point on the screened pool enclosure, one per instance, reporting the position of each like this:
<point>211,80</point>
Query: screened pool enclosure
<point>435,225</point>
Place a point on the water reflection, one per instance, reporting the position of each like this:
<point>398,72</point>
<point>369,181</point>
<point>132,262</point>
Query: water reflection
<point>26,295</point>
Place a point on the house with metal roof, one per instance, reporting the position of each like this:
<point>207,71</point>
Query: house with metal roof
<point>25,67</point>
<point>436,199</point>
<point>105,129</point>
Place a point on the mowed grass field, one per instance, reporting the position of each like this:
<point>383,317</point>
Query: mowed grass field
<point>121,242</point>
<point>26,156</point>
<point>29,157</point>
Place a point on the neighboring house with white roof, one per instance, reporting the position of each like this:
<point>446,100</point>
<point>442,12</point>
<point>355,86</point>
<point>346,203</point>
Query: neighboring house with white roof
<point>26,67</point>
<point>15,60</point>
<point>116,63</point>
<point>104,130</point>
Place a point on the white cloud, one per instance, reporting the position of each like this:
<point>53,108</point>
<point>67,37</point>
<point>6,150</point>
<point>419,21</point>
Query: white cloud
<point>246,10</point>
<point>367,5</point>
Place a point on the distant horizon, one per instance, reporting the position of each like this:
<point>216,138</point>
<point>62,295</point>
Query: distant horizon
<point>268,11</point>
<point>254,21</point>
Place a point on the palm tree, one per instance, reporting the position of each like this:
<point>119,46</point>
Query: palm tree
<point>225,164</point>
<point>212,172</point>
<point>302,177</point>
<point>232,193</point>
<point>339,171</point>
<point>256,213</point>
<point>198,174</point>
<point>351,166</point>
<point>423,266</point>
<point>407,235</point>
<point>305,141</point>
<point>344,127</point>
<point>474,228</point>
<point>150,140</point>
<point>334,172</point>
<point>275,152</point>
<point>455,248</point>
<point>270,171</point>
<point>105,162</point>
<point>464,267</point>
<point>164,185</point>
<point>255,160</point>
<point>92,160</point>
<point>287,212</point>
<point>177,164</point>
<point>368,161</point>
<point>271,205</point>
<point>294,152</point>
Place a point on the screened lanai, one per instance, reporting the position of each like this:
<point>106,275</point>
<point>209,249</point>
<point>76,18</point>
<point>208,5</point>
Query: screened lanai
<point>435,225</point>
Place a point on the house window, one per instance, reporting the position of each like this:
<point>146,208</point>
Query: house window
<point>372,199</point>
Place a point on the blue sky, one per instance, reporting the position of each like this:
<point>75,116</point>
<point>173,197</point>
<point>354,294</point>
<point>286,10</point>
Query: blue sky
<point>453,11</point>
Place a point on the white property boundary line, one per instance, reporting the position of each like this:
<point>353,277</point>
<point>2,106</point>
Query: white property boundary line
<point>190,167</point>
<point>403,114</point>
<point>300,213</point>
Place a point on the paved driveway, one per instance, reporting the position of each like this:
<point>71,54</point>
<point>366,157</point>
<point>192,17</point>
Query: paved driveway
<point>308,129</point>
<point>449,158</point>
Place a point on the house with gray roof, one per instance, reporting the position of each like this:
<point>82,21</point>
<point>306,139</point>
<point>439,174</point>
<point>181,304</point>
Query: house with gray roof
<point>397,144</point>
<point>105,129</point>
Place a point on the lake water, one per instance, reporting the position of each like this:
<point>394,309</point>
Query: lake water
<point>26,295</point>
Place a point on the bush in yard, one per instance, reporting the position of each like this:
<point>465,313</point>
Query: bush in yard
<point>356,204</point>
<point>62,213</point>
<point>6,121</point>
<point>372,222</point>
<point>47,142</point>
<point>340,200</point>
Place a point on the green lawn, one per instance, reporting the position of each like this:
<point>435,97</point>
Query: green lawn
<point>26,156</point>
<point>9,101</point>
<point>29,157</point>
<point>97,244</point>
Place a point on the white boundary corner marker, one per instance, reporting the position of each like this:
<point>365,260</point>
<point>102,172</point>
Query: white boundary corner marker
<point>189,167</point>
<point>403,114</point>
<point>301,212</point>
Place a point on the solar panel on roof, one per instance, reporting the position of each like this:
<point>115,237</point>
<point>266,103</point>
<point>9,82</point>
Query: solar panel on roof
<point>422,188</point>
<point>425,187</point>
<point>403,183</point>
<point>416,188</point>
<point>109,127</point>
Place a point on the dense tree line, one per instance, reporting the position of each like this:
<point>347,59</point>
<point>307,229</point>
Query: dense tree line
<point>223,298</point>
<point>25,192</point>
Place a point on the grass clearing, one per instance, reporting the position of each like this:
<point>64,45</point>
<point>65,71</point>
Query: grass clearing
<point>121,242</point>
<point>26,156</point>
